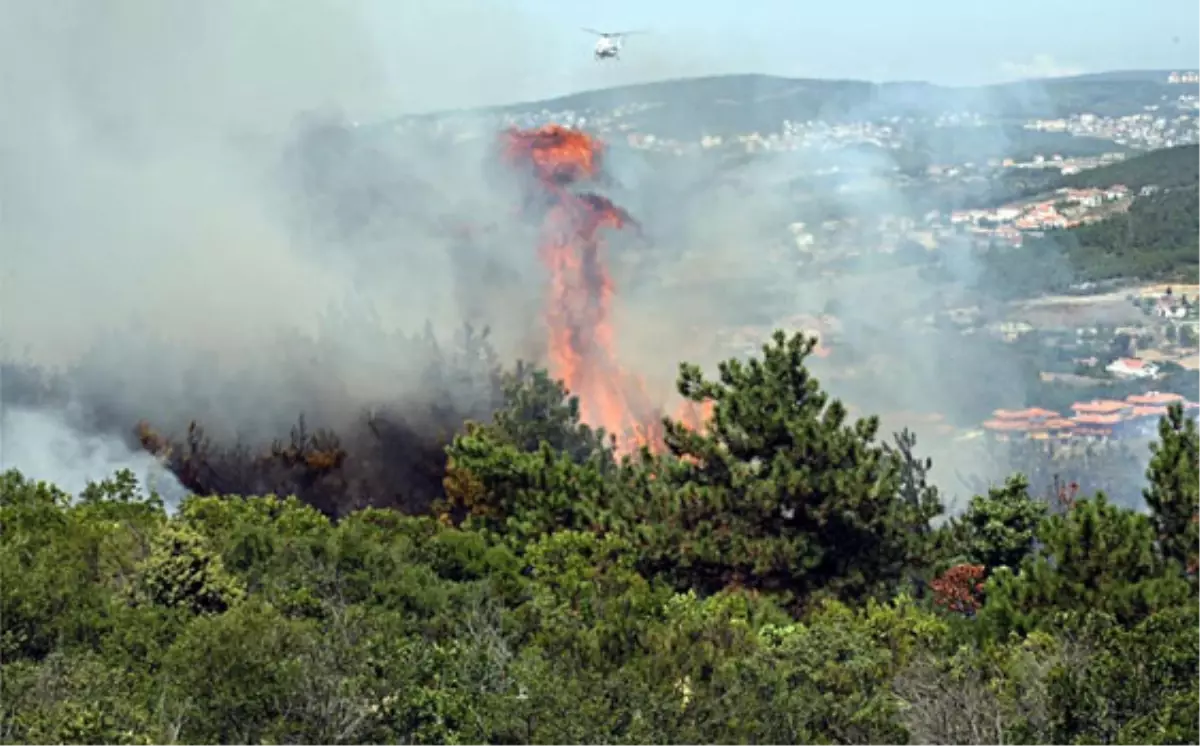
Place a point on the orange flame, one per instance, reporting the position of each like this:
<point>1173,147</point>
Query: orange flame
<point>578,314</point>
<point>693,415</point>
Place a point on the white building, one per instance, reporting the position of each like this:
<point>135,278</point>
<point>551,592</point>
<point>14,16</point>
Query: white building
<point>1168,311</point>
<point>1131,367</point>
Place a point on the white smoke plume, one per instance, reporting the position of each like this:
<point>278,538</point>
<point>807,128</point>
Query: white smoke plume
<point>43,446</point>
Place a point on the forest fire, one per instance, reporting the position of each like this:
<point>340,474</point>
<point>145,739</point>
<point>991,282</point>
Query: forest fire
<point>578,313</point>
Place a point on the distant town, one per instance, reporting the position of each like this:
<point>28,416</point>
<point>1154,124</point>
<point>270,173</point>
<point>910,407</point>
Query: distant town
<point>1158,327</point>
<point>1067,209</point>
<point>1174,123</point>
<point>1171,121</point>
<point>1171,325</point>
<point>1007,224</point>
<point>1191,77</point>
<point>1129,350</point>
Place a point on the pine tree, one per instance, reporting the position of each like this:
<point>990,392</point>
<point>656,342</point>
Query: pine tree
<point>1097,557</point>
<point>780,491</point>
<point>999,528</point>
<point>1174,492</point>
<point>533,469</point>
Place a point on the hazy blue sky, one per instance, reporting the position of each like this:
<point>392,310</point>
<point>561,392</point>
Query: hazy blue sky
<point>952,41</point>
<point>266,58</point>
<point>496,50</point>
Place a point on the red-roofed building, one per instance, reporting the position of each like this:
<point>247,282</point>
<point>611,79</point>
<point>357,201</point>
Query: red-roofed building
<point>1101,418</point>
<point>1100,406</point>
<point>1154,399</point>
<point>1031,414</point>
<point>1008,429</point>
<point>1032,422</point>
<point>1090,425</point>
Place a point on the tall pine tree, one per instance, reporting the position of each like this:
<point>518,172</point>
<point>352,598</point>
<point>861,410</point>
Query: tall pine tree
<point>781,491</point>
<point>1174,492</point>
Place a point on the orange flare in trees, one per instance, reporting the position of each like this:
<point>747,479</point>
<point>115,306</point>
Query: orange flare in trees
<point>578,312</point>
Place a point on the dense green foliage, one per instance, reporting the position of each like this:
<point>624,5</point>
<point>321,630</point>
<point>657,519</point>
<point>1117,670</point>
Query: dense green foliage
<point>1155,239</point>
<point>1168,168</point>
<point>773,577</point>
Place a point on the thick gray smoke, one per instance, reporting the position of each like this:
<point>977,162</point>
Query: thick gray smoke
<point>136,173</point>
<point>150,246</point>
<point>162,241</point>
<point>181,233</point>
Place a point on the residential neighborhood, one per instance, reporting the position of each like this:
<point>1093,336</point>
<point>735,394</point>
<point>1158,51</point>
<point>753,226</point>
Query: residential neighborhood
<point>1169,122</point>
<point>1008,224</point>
<point>1134,416</point>
<point>1067,208</point>
<point>1172,123</point>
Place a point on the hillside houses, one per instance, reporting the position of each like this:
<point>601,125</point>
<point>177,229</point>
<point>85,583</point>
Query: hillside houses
<point>1153,128</point>
<point>1102,419</point>
<point>1068,208</point>
<point>1041,216</point>
<point>1082,197</point>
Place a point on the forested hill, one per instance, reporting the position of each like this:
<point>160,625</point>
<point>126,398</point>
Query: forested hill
<point>1167,168</point>
<point>807,98</point>
<point>1157,238</point>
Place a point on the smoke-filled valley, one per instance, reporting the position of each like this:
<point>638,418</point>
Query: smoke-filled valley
<point>180,248</point>
<point>218,260</point>
<point>344,400</point>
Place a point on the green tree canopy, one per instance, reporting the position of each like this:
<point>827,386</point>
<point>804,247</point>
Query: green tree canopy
<point>780,491</point>
<point>1173,494</point>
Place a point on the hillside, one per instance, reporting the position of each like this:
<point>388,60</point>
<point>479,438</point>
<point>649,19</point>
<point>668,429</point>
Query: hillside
<point>748,103</point>
<point>1167,168</point>
<point>1155,239</point>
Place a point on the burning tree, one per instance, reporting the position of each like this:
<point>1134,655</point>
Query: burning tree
<point>582,349</point>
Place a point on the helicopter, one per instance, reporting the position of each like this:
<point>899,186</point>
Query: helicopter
<point>608,46</point>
